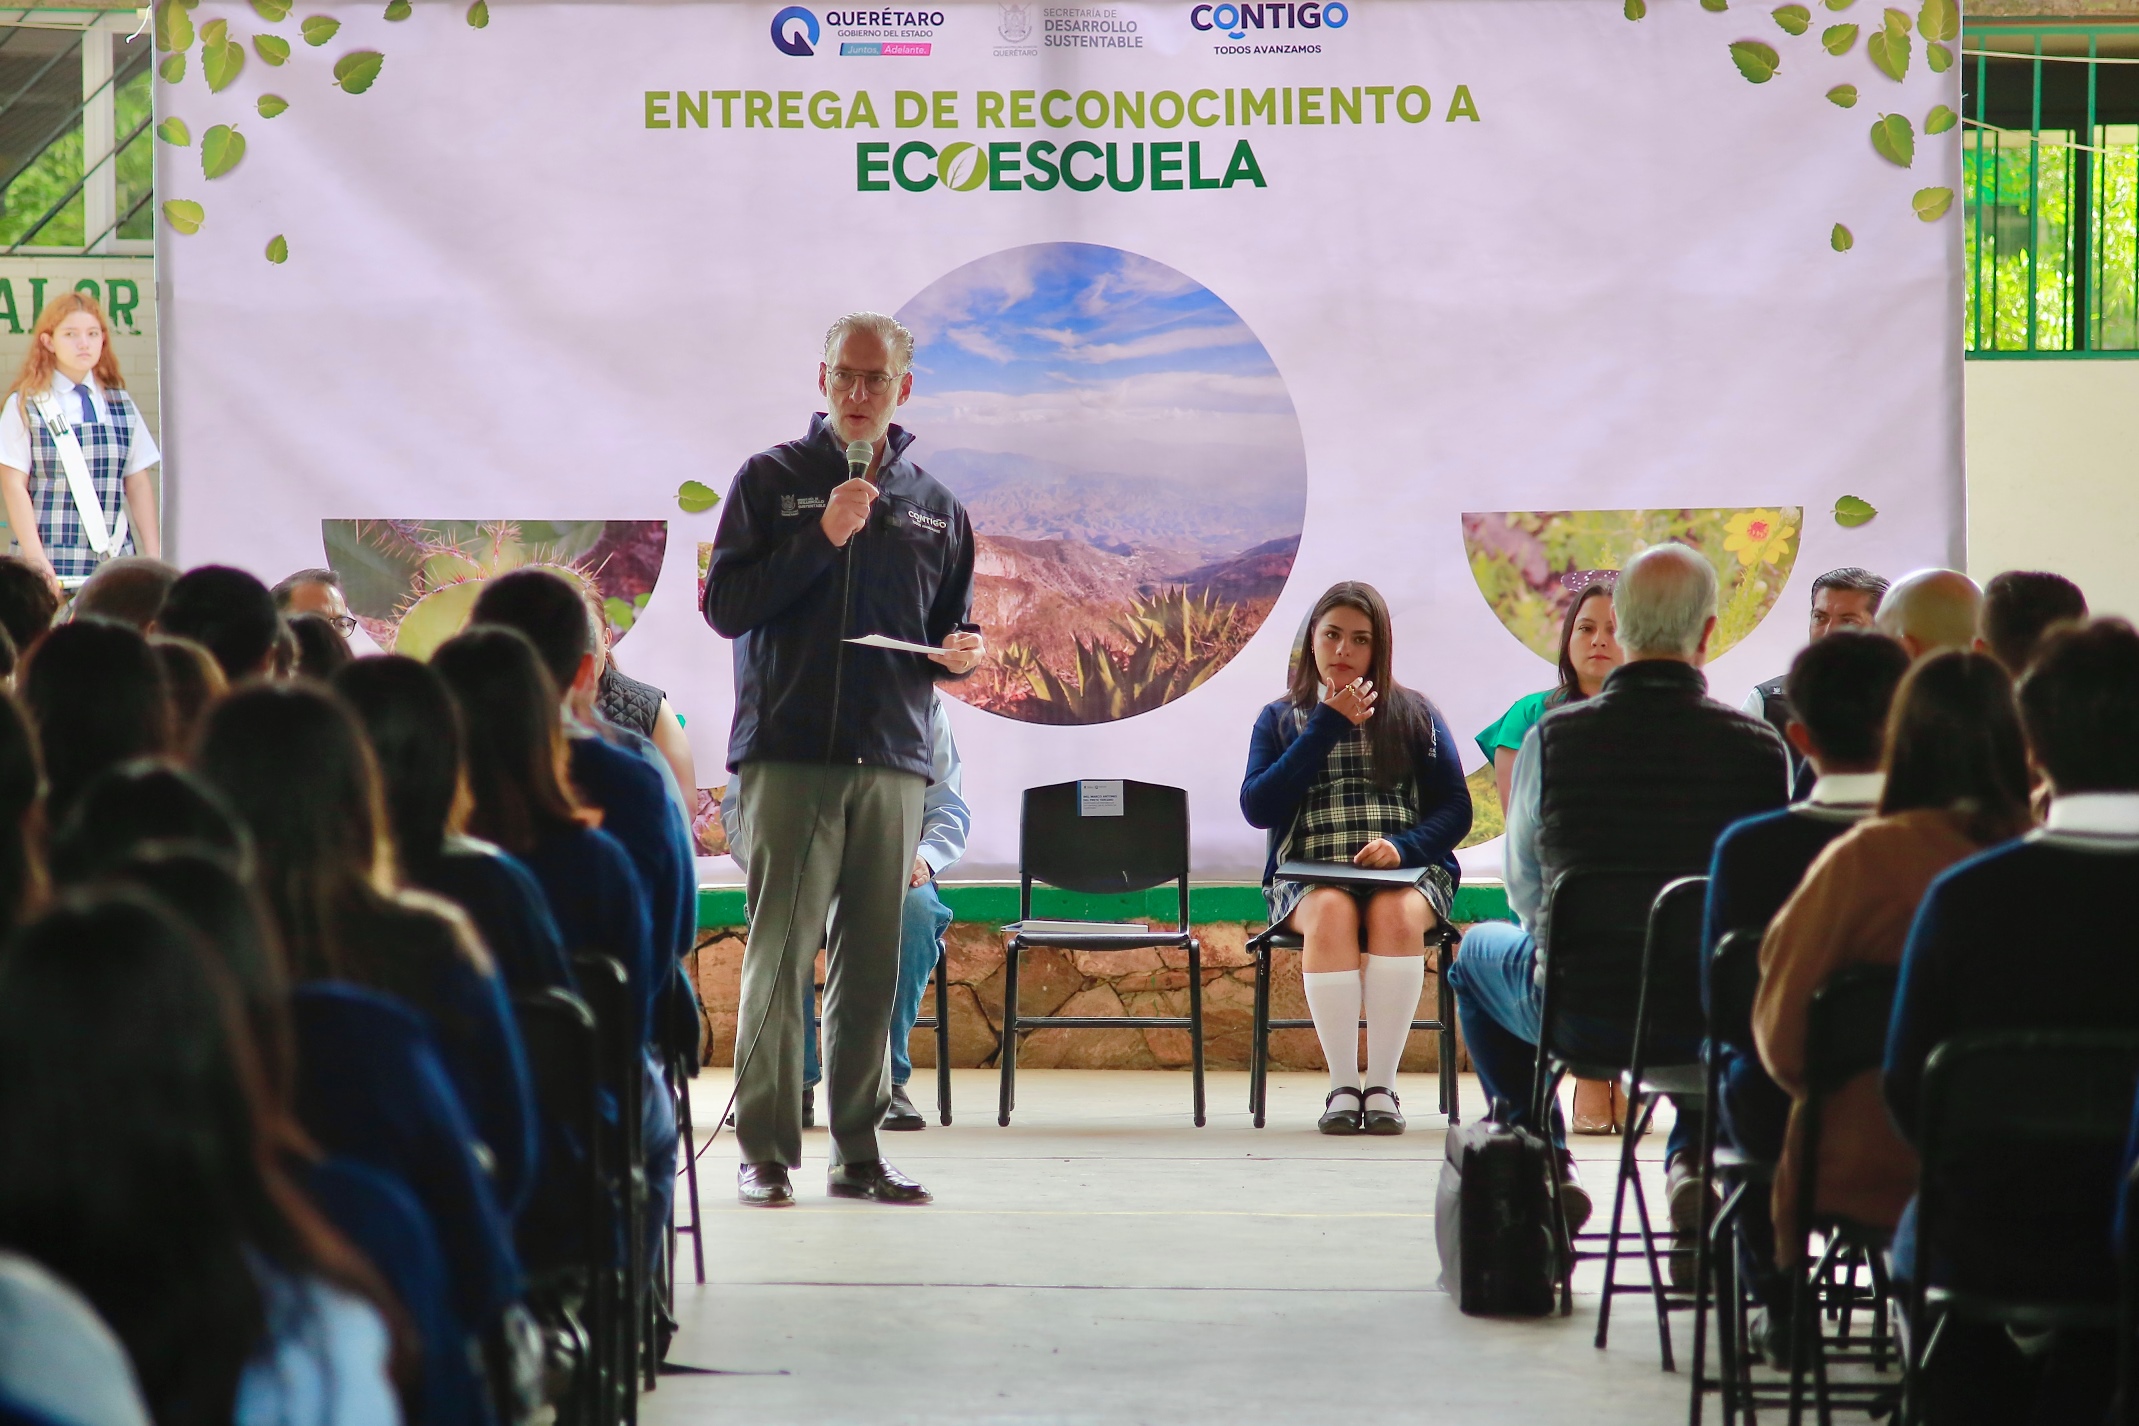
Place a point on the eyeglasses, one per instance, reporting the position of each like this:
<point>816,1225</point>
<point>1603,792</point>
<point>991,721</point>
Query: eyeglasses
<point>877,382</point>
<point>343,624</point>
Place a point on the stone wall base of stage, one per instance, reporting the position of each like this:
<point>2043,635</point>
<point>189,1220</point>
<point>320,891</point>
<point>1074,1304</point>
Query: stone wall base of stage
<point>1081,983</point>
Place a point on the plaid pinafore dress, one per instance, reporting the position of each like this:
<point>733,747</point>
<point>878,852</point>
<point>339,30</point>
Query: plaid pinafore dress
<point>1344,811</point>
<point>105,445</point>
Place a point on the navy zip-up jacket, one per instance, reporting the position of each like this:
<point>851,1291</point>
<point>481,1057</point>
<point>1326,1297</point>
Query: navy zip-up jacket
<point>1283,765</point>
<point>774,587</point>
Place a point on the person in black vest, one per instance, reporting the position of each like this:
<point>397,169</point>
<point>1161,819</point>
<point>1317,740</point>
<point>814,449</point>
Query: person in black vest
<point>1846,598</point>
<point>1839,693</point>
<point>1651,763</point>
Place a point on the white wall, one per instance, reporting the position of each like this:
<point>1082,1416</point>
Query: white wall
<point>2053,473</point>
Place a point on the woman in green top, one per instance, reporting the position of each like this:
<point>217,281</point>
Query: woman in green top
<point>1589,650</point>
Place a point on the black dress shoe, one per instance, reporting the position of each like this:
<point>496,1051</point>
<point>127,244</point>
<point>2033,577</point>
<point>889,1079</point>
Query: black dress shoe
<point>1382,1121</point>
<point>902,1114</point>
<point>876,1180</point>
<point>764,1186</point>
<point>1340,1118</point>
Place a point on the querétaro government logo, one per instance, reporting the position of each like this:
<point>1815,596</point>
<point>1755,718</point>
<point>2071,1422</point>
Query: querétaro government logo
<point>1016,24</point>
<point>794,31</point>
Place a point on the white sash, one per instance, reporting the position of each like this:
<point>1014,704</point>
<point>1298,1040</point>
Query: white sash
<point>103,538</point>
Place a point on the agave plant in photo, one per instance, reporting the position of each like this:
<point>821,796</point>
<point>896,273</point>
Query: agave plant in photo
<point>1174,640</point>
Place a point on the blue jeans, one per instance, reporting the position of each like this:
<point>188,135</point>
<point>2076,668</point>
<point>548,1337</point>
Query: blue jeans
<point>922,922</point>
<point>1500,1004</point>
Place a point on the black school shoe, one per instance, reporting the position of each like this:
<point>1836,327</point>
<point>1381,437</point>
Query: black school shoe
<point>1336,1120</point>
<point>875,1180</point>
<point>902,1115</point>
<point>1381,1121</point>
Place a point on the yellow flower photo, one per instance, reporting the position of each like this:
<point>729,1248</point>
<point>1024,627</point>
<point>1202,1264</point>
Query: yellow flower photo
<point>1758,535</point>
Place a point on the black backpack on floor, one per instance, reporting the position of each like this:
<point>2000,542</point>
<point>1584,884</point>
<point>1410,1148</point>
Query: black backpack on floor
<point>1493,1220</point>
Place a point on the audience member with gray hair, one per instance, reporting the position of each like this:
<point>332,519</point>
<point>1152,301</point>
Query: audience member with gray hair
<point>1651,763</point>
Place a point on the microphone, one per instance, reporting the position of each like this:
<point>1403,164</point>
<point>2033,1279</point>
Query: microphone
<point>858,453</point>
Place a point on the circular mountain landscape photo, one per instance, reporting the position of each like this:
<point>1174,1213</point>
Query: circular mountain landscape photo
<point>1132,464</point>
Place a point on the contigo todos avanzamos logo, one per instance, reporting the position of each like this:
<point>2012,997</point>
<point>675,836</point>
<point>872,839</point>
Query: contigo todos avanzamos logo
<point>794,31</point>
<point>1237,19</point>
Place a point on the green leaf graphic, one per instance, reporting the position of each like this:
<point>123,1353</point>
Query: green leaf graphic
<point>1836,39</point>
<point>1756,61</point>
<point>1715,7</point>
<point>1851,512</point>
<point>1938,57</point>
<point>1843,96</point>
<point>174,27</point>
<point>174,131</point>
<point>1894,138</point>
<point>1940,119</point>
<point>183,214</point>
<point>173,68</point>
<point>270,105</point>
<point>356,70</point>
<point>1793,19</point>
<point>1839,5</point>
<point>479,14</point>
<point>215,32</point>
<point>221,148</point>
<point>695,497</point>
<point>1939,20</point>
<point>272,11</point>
<point>1931,203</point>
<point>1841,239</point>
<point>272,49</point>
<point>399,10</point>
<point>278,249</point>
<point>319,29</point>
<point>1889,49</point>
<point>221,64</point>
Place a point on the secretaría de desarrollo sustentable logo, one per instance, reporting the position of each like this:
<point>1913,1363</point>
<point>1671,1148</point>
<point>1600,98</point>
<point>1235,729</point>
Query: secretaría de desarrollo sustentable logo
<point>1236,17</point>
<point>794,31</point>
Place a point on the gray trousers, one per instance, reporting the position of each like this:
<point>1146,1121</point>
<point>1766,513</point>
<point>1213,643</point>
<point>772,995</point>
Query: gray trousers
<point>853,869</point>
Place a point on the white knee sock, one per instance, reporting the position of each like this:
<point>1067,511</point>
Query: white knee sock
<point>1390,987</point>
<point>1333,999</point>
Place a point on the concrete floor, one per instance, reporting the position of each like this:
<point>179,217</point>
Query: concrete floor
<point>1102,1260</point>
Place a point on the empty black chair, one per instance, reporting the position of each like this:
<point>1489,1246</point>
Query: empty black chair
<point>575,1287</point>
<point>1845,1036</point>
<point>2021,1139</point>
<point>1101,839</point>
<point>1271,938</point>
<point>1598,968</point>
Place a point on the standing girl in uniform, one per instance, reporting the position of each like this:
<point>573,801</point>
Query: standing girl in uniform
<point>69,408</point>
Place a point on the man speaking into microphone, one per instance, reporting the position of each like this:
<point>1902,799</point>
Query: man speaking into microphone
<point>821,541</point>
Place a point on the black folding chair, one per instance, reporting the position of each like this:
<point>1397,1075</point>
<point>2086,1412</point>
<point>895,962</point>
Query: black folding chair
<point>608,992</point>
<point>1274,938</point>
<point>1845,1036</point>
<point>2020,1136</point>
<point>1598,964</point>
<point>564,1059</point>
<point>1135,838</point>
<point>1733,981</point>
<point>940,1022</point>
<point>1668,1003</point>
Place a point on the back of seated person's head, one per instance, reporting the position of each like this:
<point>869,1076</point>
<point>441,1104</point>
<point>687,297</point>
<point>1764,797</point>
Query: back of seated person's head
<point>98,696</point>
<point>515,740</point>
<point>1931,609</point>
<point>415,732</point>
<point>292,761</point>
<point>128,590</point>
<point>227,612</point>
<point>22,815</point>
<point>193,680</point>
<point>1664,601</point>
<point>27,603</point>
<point>320,647</point>
<point>550,610</point>
<point>1841,688</point>
<point>143,803</point>
<point>205,887</point>
<point>1953,744</point>
<point>142,1173</point>
<point>10,660</point>
<point>2080,704</point>
<point>2019,607</point>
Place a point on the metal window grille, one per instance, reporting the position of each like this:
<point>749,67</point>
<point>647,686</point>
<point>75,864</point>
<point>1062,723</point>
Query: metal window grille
<point>76,147</point>
<point>2050,173</point>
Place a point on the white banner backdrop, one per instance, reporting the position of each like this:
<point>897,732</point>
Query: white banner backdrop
<point>1352,275</point>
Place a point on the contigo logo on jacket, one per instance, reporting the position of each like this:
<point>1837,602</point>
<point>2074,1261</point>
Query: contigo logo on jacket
<point>927,521</point>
